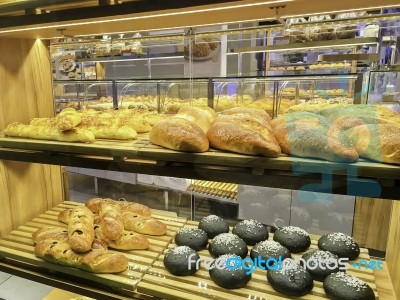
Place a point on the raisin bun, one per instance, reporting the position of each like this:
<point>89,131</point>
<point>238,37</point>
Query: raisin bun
<point>293,238</point>
<point>194,238</point>
<point>251,231</point>
<point>232,277</point>
<point>227,243</point>
<point>340,244</point>
<point>176,261</point>
<point>213,225</point>
<point>342,286</point>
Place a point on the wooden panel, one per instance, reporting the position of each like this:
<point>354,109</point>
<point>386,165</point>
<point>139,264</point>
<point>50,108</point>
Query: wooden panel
<point>371,222</point>
<point>25,93</point>
<point>200,286</point>
<point>393,253</point>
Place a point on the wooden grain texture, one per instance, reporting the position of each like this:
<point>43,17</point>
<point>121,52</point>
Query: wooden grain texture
<point>200,286</point>
<point>384,284</point>
<point>371,222</point>
<point>393,253</point>
<point>18,245</point>
<point>25,93</point>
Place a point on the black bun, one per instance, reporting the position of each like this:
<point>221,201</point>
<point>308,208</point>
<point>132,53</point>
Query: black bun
<point>294,238</point>
<point>251,231</point>
<point>229,279</point>
<point>269,249</point>
<point>194,238</point>
<point>340,244</point>
<point>342,286</point>
<point>227,243</point>
<point>292,282</point>
<point>213,225</point>
<point>176,261</point>
<point>317,258</point>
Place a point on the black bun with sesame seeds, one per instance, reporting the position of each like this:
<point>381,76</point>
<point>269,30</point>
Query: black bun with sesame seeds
<point>342,286</point>
<point>294,238</point>
<point>251,231</point>
<point>340,244</point>
<point>176,261</point>
<point>194,238</point>
<point>213,225</point>
<point>227,243</point>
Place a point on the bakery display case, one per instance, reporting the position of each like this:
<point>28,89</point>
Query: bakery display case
<point>248,163</point>
<point>383,89</point>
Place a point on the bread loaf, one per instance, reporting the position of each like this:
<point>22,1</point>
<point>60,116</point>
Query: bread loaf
<point>80,229</point>
<point>143,225</point>
<point>64,215</point>
<point>49,133</point>
<point>239,139</point>
<point>127,241</point>
<point>208,112</point>
<point>195,115</point>
<point>248,111</point>
<point>96,261</point>
<point>68,119</point>
<point>254,123</point>
<point>111,222</point>
<point>312,138</point>
<point>137,208</point>
<point>45,233</point>
<point>179,134</point>
<point>378,142</point>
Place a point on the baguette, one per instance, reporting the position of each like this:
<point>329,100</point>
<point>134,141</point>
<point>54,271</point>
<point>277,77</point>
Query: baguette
<point>179,134</point>
<point>110,218</point>
<point>141,225</point>
<point>80,229</point>
<point>239,139</point>
<point>95,261</point>
<point>55,233</point>
<point>48,133</point>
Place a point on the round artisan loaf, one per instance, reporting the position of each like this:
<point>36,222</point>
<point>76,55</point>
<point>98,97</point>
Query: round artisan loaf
<point>251,231</point>
<point>340,244</point>
<point>342,286</point>
<point>181,261</point>
<point>321,263</point>
<point>213,225</point>
<point>293,238</point>
<point>227,243</point>
<point>194,238</point>
<point>232,277</point>
<point>294,281</point>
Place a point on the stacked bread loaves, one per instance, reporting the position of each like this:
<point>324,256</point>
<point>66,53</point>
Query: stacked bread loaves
<point>93,228</point>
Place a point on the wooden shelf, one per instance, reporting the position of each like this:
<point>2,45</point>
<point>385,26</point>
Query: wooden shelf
<point>140,156</point>
<point>200,286</point>
<point>17,247</point>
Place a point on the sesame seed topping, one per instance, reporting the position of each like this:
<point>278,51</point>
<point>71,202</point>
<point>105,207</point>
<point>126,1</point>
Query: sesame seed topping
<point>293,230</point>
<point>341,238</point>
<point>196,232</point>
<point>211,218</point>
<point>270,246</point>
<point>350,281</point>
<point>320,254</point>
<point>228,239</point>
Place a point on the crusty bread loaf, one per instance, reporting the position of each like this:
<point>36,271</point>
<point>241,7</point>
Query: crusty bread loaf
<point>80,229</point>
<point>137,208</point>
<point>239,139</point>
<point>195,115</point>
<point>68,119</point>
<point>254,123</point>
<point>248,110</point>
<point>208,112</point>
<point>49,133</point>
<point>64,215</point>
<point>312,138</point>
<point>45,233</point>
<point>111,222</point>
<point>378,142</point>
<point>143,225</point>
<point>179,134</point>
<point>127,241</point>
<point>96,261</point>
